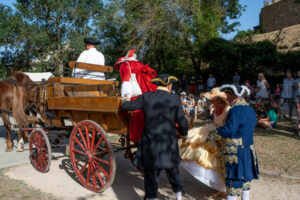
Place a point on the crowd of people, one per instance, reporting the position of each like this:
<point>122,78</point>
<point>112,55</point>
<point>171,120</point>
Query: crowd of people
<point>270,102</point>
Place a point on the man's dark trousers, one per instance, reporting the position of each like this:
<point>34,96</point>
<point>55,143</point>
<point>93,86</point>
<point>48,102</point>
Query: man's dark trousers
<point>151,181</point>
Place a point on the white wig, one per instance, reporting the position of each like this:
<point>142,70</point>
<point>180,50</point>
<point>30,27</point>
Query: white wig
<point>239,91</point>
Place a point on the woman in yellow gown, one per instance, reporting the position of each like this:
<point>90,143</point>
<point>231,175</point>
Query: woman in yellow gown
<point>200,157</point>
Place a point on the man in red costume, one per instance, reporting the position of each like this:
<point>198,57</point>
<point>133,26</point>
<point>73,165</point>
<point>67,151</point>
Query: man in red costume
<point>135,78</point>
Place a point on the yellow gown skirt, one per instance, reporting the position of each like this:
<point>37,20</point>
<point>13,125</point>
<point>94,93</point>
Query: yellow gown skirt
<point>196,148</point>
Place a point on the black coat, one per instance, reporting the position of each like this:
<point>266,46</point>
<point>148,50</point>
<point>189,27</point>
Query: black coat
<point>158,147</point>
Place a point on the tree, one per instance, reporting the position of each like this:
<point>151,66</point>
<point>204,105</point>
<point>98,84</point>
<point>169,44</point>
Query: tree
<point>49,31</point>
<point>243,34</point>
<point>168,34</point>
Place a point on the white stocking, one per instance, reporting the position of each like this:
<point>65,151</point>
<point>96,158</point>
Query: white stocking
<point>178,195</point>
<point>245,195</point>
<point>231,197</point>
<point>20,145</point>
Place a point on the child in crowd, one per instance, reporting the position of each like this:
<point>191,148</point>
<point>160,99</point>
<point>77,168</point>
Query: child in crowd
<point>260,111</point>
<point>201,106</point>
<point>272,118</point>
<point>190,106</point>
<point>278,92</point>
<point>184,100</point>
<point>247,83</point>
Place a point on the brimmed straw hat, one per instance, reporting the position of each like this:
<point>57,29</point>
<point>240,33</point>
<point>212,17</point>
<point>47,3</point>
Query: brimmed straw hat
<point>215,93</point>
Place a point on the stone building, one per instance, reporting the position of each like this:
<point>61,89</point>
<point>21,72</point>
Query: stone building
<point>279,14</point>
<point>280,20</point>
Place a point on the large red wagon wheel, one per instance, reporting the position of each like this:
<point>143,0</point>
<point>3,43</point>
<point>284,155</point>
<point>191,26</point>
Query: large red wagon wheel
<point>40,150</point>
<point>92,156</point>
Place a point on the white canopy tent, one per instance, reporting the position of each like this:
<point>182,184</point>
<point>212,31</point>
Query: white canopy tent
<point>39,76</point>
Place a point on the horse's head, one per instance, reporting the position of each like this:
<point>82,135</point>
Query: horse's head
<point>22,78</point>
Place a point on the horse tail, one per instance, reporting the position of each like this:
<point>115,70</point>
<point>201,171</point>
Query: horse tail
<point>18,107</point>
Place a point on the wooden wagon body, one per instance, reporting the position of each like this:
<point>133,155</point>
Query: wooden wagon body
<point>84,111</point>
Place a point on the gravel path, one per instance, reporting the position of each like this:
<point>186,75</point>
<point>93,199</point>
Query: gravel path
<point>128,184</point>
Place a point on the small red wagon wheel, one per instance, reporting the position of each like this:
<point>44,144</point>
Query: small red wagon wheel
<point>40,150</point>
<point>92,156</point>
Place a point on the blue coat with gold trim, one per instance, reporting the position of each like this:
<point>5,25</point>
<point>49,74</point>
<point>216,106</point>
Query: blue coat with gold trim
<point>240,158</point>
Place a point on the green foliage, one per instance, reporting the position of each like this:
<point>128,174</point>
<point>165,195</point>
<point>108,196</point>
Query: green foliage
<point>172,36</point>
<point>47,30</point>
<point>243,34</point>
<point>168,34</point>
<point>226,57</point>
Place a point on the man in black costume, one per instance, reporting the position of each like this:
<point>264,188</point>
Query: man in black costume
<point>158,148</point>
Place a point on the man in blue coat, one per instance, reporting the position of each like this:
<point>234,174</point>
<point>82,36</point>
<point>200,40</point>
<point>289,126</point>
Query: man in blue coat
<point>158,148</point>
<point>240,158</point>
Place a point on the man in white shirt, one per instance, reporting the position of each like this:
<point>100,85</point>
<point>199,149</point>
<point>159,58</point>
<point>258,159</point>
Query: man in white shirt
<point>91,56</point>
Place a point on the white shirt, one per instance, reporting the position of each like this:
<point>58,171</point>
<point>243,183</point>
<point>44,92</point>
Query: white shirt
<point>91,56</point>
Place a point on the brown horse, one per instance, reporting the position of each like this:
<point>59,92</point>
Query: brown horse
<point>13,99</point>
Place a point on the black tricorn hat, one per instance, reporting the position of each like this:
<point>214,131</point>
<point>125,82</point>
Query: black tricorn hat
<point>89,40</point>
<point>163,80</point>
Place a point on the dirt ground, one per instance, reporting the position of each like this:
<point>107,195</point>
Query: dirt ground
<point>11,189</point>
<point>278,154</point>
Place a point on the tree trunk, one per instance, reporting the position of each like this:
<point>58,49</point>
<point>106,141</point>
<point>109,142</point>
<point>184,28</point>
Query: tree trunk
<point>61,69</point>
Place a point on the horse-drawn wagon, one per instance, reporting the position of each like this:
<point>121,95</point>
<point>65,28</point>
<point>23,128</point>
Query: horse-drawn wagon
<point>92,107</point>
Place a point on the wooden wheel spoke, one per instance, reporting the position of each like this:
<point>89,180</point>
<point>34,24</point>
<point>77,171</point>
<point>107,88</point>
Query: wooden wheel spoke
<point>78,142</point>
<point>83,168</point>
<point>98,143</point>
<point>102,161</point>
<point>39,162</point>
<point>93,139</point>
<point>45,156</point>
<point>87,134</point>
<point>34,159</point>
<point>43,161</point>
<point>82,137</point>
<point>101,168</point>
<point>34,141</point>
<point>94,177</point>
<point>88,175</point>
<point>98,174</point>
<point>101,152</point>
<point>75,161</point>
<point>78,151</point>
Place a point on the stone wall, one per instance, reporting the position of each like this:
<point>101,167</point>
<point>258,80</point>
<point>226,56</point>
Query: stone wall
<point>280,14</point>
<point>288,39</point>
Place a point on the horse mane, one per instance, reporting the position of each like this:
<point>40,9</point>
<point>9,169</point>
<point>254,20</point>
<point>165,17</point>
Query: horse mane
<point>20,98</point>
<point>22,78</point>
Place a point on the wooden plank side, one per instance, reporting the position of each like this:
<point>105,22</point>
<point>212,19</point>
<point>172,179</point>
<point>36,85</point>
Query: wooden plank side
<point>91,90</point>
<point>96,104</point>
<point>91,67</point>
<point>81,81</point>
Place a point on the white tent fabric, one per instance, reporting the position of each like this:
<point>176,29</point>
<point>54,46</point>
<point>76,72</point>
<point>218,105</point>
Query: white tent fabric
<point>39,76</point>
